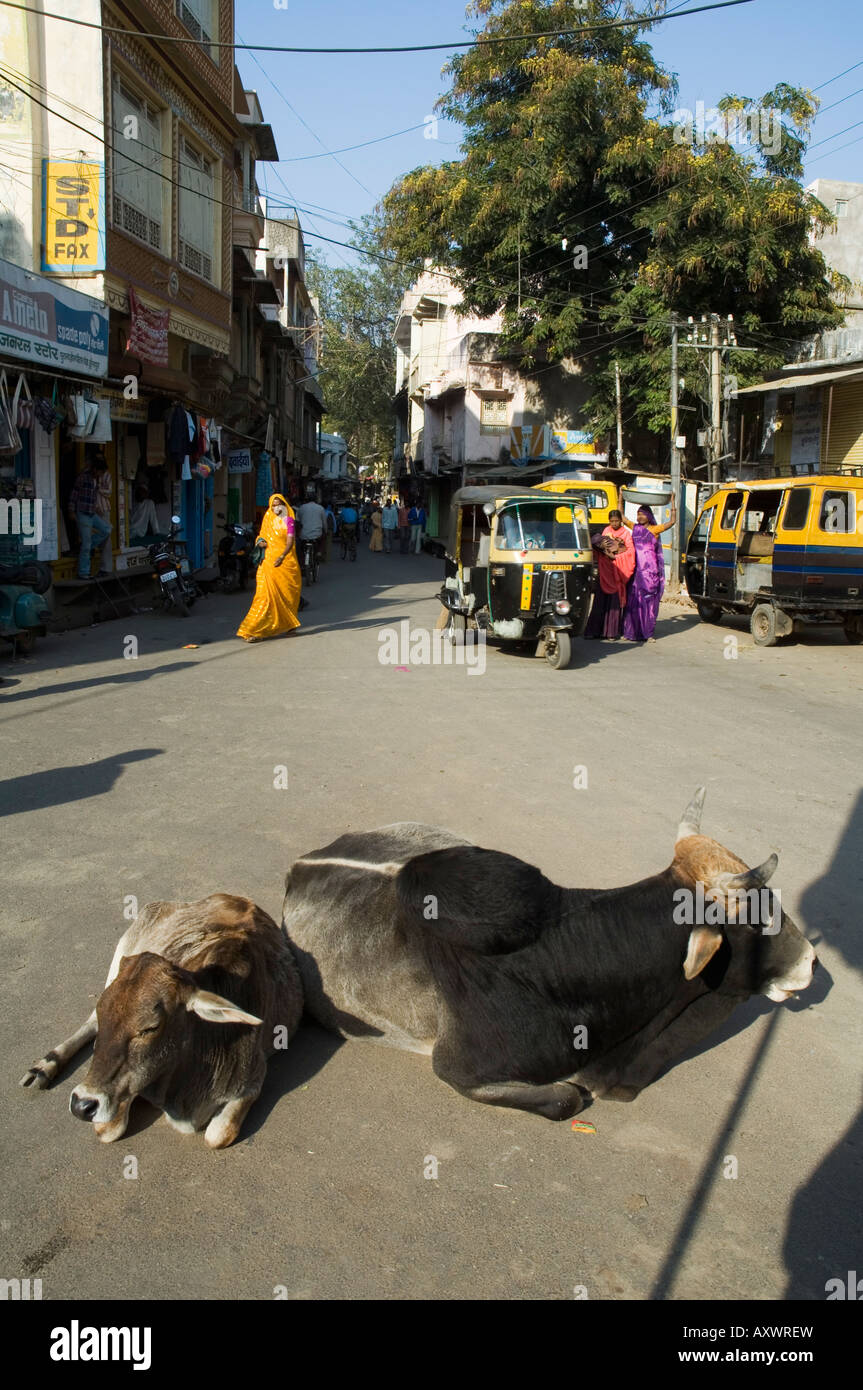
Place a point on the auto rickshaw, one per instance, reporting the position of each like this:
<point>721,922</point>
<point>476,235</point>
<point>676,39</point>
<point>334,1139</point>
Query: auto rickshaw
<point>519,568</point>
<point>601,498</point>
<point>784,551</point>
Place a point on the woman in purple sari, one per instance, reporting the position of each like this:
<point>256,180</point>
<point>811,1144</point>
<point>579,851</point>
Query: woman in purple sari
<point>648,583</point>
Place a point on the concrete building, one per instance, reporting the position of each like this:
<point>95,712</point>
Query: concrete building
<point>466,412</point>
<point>842,244</point>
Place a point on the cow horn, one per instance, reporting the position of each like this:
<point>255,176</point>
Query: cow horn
<point>691,823</point>
<point>752,878</point>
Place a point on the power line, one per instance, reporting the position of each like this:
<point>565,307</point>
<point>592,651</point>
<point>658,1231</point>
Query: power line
<point>634,22</point>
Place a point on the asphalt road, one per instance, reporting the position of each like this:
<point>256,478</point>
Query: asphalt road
<point>155,777</point>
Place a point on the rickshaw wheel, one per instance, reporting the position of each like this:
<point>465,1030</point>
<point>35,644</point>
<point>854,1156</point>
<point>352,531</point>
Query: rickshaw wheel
<point>709,612</point>
<point>456,627</point>
<point>762,625</point>
<point>558,650</point>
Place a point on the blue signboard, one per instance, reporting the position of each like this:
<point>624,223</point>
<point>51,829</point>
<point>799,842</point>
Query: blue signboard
<point>49,326</point>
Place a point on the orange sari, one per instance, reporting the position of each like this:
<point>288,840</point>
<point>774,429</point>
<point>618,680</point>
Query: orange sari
<point>277,591</point>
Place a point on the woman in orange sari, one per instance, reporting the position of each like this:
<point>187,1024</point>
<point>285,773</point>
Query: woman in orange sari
<point>615,560</point>
<point>277,592</point>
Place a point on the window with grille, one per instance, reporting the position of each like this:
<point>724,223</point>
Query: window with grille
<point>201,20</point>
<point>198,218</point>
<point>138,186</point>
<point>494,416</point>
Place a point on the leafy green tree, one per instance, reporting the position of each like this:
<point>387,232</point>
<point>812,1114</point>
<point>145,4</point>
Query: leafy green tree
<point>358,312</point>
<point>586,212</point>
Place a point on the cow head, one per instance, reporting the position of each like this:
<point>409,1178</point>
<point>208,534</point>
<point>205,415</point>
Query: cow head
<point>741,941</point>
<point>144,1026</point>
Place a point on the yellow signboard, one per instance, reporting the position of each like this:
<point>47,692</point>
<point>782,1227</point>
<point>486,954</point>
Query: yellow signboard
<point>73,217</point>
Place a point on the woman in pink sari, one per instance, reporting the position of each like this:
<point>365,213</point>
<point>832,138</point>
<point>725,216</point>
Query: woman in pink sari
<point>615,558</point>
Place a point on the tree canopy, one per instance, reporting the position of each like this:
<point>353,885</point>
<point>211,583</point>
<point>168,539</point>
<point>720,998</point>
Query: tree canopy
<point>588,210</point>
<point>358,313</point>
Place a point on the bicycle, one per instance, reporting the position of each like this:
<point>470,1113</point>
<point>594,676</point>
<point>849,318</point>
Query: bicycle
<point>349,541</point>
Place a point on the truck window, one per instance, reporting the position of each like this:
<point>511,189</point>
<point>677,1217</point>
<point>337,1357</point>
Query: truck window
<point>698,539</point>
<point>731,511</point>
<point>797,508</point>
<point>838,512</point>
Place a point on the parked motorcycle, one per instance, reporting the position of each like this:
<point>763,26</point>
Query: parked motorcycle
<point>235,555</point>
<point>178,590</point>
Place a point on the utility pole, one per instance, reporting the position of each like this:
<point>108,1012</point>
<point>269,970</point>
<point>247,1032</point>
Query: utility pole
<point>674,584</point>
<point>715,399</point>
<point>619,416</point>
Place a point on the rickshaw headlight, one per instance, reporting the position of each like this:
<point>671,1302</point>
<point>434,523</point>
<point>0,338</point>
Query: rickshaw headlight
<point>563,606</point>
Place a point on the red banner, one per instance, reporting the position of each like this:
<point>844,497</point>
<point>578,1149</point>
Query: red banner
<point>148,339</point>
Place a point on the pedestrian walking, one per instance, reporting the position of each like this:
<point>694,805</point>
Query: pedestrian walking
<point>417,521</point>
<point>376,542</point>
<point>648,582</point>
<point>390,523</point>
<point>615,556</point>
<point>279,581</point>
<point>404,528</point>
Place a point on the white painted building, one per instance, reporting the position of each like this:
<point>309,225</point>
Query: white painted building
<point>460,405</point>
<point>334,454</point>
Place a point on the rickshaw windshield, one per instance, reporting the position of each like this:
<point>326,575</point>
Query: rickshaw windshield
<point>532,526</point>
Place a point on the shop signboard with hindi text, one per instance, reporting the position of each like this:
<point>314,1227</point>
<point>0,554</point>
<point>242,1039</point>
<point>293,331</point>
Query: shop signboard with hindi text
<point>50,327</point>
<point>239,460</point>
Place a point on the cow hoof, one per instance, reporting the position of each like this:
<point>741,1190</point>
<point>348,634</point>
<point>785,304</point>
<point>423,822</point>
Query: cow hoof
<point>564,1101</point>
<point>40,1075</point>
<point>626,1093</point>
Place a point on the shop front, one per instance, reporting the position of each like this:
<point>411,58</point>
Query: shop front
<point>53,359</point>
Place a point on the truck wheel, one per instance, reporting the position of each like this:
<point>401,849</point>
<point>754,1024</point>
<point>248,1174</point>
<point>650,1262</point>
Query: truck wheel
<point>709,612</point>
<point>558,650</point>
<point>854,631</point>
<point>762,625</point>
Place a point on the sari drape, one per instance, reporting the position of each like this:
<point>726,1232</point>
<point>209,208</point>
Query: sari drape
<point>615,571</point>
<point>610,597</point>
<point>277,590</point>
<point>647,587</point>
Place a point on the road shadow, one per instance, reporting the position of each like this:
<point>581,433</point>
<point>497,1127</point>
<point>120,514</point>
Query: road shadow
<point>121,678</point>
<point>309,1052</point>
<point>822,1238</point>
<point>36,791</point>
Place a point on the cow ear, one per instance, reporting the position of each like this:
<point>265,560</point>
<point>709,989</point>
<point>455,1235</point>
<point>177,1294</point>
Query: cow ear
<point>704,942</point>
<point>214,1009</point>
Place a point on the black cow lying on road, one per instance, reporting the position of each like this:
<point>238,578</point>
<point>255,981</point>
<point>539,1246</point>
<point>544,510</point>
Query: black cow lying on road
<point>164,1029</point>
<point>523,993</point>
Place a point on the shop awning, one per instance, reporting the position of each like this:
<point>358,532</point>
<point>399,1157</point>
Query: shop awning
<point>794,383</point>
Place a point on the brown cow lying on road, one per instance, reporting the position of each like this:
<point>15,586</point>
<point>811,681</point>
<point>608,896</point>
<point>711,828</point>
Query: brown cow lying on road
<point>198,996</point>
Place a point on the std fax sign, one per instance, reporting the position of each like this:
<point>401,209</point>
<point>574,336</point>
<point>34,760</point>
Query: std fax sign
<point>73,217</point>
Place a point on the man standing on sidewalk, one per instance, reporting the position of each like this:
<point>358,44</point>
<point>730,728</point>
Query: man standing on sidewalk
<point>390,522</point>
<point>404,528</point>
<point>417,518</point>
<point>88,503</point>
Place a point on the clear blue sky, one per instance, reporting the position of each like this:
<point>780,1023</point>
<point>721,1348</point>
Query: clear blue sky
<point>348,99</point>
